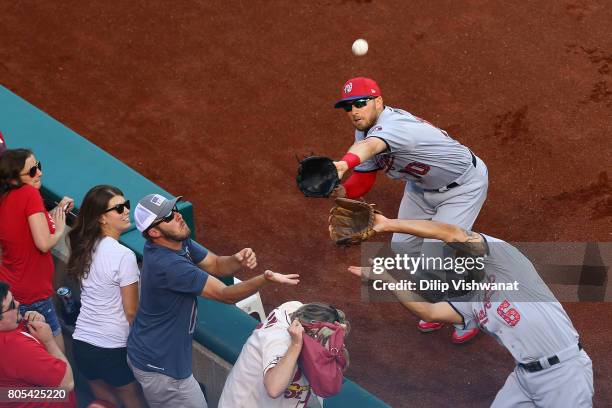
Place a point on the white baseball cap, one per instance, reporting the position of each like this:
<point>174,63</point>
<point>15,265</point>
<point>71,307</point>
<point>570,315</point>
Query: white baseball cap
<point>151,208</point>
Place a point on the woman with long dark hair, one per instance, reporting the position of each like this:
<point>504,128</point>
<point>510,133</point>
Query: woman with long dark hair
<point>109,275</point>
<point>27,234</point>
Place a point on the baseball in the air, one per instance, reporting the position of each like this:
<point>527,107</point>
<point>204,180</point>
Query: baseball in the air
<point>360,47</point>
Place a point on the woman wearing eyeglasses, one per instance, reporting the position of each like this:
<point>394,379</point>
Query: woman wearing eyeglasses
<point>27,234</point>
<point>109,275</point>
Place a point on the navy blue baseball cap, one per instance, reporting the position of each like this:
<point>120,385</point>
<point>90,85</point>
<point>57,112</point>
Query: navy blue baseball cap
<point>358,88</point>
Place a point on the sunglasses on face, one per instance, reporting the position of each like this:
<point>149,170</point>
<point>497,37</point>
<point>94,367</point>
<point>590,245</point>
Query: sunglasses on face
<point>33,170</point>
<point>359,103</point>
<point>12,306</point>
<point>120,207</point>
<point>166,219</point>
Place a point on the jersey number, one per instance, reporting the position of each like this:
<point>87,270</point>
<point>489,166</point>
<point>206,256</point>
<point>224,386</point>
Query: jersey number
<point>416,169</point>
<point>510,315</point>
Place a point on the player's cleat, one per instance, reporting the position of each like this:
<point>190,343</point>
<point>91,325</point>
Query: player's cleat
<point>462,336</point>
<point>426,327</point>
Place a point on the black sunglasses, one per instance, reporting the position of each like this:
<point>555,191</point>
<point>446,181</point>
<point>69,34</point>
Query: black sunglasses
<point>33,170</point>
<point>166,219</point>
<point>359,103</point>
<point>12,306</point>
<point>120,207</point>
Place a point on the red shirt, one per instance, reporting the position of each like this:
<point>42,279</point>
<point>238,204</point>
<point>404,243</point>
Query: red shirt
<point>28,270</point>
<point>26,363</point>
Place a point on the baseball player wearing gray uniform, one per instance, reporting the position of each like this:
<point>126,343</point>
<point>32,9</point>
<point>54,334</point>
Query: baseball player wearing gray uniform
<point>445,181</point>
<point>552,368</point>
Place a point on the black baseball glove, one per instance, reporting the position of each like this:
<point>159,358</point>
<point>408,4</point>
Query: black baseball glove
<point>317,176</point>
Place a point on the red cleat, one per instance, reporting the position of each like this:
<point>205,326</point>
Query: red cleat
<point>426,327</point>
<point>462,336</point>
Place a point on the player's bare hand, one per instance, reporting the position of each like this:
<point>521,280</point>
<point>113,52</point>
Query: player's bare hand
<point>41,331</point>
<point>275,277</point>
<point>339,192</point>
<point>367,273</point>
<point>381,223</point>
<point>247,258</point>
<point>33,316</point>
<point>342,167</point>
<point>296,331</point>
<point>364,272</point>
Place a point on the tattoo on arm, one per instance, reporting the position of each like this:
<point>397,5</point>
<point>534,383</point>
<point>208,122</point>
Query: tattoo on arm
<point>470,243</point>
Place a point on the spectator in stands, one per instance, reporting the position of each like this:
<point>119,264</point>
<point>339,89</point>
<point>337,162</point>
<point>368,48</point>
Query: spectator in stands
<point>2,144</point>
<point>27,234</point>
<point>175,271</point>
<point>28,354</point>
<point>2,150</point>
<point>108,275</point>
<point>266,374</point>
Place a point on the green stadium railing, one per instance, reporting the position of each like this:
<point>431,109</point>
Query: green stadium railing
<point>72,165</point>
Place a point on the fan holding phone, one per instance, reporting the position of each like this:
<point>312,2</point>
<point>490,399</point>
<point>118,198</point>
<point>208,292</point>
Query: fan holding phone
<point>27,234</point>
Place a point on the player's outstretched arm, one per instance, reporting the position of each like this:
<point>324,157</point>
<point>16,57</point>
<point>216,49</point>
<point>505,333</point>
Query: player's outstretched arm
<point>357,185</point>
<point>440,312</point>
<point>216,290</point>
<point>466,241</point>
<point>368,148</point>
<point>360,152</point>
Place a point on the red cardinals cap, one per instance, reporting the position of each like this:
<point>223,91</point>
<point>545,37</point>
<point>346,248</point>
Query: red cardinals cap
<point>357,88</point>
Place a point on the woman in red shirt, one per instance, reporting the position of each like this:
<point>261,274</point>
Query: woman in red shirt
<point>27,234</point>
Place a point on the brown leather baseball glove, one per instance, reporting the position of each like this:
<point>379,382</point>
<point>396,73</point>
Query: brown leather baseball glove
<point>351,221</point>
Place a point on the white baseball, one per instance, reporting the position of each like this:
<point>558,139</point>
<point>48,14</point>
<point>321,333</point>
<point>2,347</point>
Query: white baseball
<point>360,47</point>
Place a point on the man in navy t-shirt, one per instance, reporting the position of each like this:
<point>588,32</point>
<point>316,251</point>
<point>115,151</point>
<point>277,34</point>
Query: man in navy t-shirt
<point>175,271</point>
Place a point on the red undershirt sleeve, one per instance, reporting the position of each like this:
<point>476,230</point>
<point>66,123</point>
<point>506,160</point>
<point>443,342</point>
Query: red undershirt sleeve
<point>358,184</point>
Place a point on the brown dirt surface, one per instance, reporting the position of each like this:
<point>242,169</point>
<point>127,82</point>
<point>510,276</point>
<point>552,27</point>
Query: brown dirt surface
<point>213,100</point>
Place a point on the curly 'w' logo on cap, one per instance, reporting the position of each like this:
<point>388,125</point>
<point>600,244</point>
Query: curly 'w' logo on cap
<point>348,87</point>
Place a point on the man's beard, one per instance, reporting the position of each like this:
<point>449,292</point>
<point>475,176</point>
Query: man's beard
<point>363,128</point>
<point>176,237</point>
